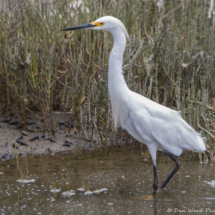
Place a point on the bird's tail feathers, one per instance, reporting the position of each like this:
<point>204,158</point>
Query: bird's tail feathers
<point>200,142</point>
<point>203,138</point>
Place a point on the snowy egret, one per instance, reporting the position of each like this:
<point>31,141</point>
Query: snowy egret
<point>155,125</point>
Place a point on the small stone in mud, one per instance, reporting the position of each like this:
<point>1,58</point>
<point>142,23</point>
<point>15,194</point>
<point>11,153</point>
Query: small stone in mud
<point>21,142</point>
<point>2,159</point>
<point>5,155</point>
<point>43,136</point>
<point>12,156</point>
<point>7,120</point>
<point>30,122</point>
<point>52,151</point>
<point>24,133</point>
<point>69,126</point>
<point>47,150</point>
<point>15,146</point>
<point>14,122</point>
<point>20,126</point>
<point>45,154</point>
<point>36,137</point>
<point>20,137</point>
<point>38,127</point>
<point>67,141</point>
<point>50,139</point>
<point>21,154</point>
<point>66,144</point>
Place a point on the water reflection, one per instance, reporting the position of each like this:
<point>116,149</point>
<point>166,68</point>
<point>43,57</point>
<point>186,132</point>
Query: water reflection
<point>125,177</point>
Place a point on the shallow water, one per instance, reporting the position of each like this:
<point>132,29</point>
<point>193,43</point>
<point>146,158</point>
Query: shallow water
<point>126,174</point>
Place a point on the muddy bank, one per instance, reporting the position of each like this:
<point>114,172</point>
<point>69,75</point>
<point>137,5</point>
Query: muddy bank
<point>64,138</point>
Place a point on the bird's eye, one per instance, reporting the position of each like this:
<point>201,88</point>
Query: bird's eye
<point>101,24</point>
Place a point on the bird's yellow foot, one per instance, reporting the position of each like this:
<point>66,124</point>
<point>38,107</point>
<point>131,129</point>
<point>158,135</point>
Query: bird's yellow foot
<point>148,197</point>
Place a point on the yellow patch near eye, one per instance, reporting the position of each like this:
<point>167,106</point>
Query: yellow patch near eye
<point>99,24</point>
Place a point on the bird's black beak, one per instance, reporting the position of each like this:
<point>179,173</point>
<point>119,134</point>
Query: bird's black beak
<point>89,25</point>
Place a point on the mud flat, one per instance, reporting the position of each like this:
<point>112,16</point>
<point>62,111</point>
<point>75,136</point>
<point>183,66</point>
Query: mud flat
<point>64,138</point>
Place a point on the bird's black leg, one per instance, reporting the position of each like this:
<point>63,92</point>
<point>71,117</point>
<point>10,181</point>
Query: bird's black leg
<point>155,183</point>
<point>178,164</point>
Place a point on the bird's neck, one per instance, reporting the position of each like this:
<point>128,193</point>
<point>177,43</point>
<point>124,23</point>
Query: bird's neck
<point>115,73</point>
<point>116,84</point>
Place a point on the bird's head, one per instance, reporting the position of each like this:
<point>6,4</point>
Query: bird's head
<point>108,23</point>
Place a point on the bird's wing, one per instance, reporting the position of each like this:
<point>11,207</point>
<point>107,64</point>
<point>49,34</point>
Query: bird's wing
<point>152,129</point>
<point>166,127</point>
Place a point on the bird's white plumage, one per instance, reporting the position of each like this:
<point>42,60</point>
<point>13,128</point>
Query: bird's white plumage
<point>150,123</point>
<point>164,126</point>
<point>155,125</point>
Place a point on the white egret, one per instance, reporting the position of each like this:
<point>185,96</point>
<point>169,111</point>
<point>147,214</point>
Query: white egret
<point>155,125</point>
